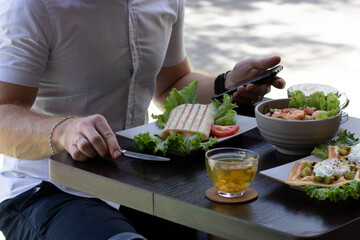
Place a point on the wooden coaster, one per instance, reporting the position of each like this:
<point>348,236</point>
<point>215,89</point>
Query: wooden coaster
<point>213,195</point>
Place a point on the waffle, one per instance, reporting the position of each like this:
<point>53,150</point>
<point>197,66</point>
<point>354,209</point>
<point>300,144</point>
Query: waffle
<point>334,152</point>
<point>295,179</point>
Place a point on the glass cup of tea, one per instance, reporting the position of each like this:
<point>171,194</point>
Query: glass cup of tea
<point>231,170</point>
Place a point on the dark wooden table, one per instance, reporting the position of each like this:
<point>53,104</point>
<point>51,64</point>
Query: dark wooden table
<point>175,191</point>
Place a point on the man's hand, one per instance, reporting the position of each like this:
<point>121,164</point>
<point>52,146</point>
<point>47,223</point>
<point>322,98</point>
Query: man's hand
<point>248,68</point>
<point>86,137</point>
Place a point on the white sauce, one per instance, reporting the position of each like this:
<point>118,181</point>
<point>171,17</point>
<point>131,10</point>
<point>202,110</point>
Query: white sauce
<point>330,167</point>
<point>354,155</point>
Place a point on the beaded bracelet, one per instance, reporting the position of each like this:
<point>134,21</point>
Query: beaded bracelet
<point>52,132</point>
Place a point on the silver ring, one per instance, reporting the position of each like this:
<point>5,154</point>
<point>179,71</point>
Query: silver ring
<point>76,141</point>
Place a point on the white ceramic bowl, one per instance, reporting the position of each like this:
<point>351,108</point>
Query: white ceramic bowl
<point>294,137</point>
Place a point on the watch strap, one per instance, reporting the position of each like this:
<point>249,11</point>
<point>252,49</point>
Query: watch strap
<point>219,83</point>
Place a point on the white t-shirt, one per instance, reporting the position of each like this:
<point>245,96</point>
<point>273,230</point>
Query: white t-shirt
<point>85,57</point>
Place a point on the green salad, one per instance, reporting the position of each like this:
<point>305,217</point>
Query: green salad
<point>329,104</point>
<point>224,115</point>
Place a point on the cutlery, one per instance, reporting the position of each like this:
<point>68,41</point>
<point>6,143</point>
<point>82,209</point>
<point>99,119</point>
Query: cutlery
<point>144,156</point>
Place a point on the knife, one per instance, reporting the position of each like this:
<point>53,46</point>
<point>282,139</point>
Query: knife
<point>144,156</point>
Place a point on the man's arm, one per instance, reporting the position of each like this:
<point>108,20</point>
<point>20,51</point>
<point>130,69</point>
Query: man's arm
<point>19,126</point>
<point>25,134</point>
<point>180,75</point>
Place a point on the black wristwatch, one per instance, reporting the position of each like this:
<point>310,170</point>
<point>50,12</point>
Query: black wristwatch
<point>219,83</point>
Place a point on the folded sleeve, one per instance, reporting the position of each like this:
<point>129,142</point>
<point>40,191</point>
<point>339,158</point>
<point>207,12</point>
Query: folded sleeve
<point>25,37</point>
<point>176,50</point>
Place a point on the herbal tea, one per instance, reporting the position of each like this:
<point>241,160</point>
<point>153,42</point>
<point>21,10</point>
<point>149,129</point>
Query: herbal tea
<point>231,173</point>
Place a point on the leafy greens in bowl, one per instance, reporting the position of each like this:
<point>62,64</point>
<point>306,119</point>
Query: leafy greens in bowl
<point>299,137</point>
<point>329,104</point>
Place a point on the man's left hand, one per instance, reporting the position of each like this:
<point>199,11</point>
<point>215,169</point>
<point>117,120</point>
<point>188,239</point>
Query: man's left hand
<point>247,68</point>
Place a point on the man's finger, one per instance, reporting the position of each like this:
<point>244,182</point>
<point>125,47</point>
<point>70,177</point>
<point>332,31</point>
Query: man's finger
<point>109,138</point>
<point>97,141</point>
<point>279,83</point>
<point>257,90</point>
<point>85,147</point>
<point>76,154</point>
<point>265,63</point>
<point>112,144</point>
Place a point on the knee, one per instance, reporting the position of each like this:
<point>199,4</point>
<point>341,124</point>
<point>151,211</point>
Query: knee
<point>127,236</point>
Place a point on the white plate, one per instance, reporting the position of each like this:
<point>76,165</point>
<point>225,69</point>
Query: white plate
<point>281,173</point>
<point>245,123</point>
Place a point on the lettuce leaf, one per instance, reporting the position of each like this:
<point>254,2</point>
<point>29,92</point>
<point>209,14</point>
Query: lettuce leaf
<point>343,138</point>
<point>333,104</point>
<point>174,141</point>
<point>335,193</point>
<point>321,150</point>
<point>317,100</point>
<point>195,141</point>
<point>186,95</point>
<point>323,115</point>
<point>329,103</point>
<point>144,141</point>
<point>298,100</point>
<point>224,111</point>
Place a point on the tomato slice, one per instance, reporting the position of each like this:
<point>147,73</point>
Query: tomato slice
<point>223,131</point>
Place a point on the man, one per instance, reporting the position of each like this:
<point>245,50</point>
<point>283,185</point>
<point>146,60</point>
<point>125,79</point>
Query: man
<point>71,73</point>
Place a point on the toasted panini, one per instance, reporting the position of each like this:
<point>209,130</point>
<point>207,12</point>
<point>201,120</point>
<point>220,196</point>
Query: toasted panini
<point>187,119</point>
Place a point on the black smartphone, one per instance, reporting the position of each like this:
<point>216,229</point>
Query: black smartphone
<point>268,74</point>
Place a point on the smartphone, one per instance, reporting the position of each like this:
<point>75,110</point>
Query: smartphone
<point>259,78</point>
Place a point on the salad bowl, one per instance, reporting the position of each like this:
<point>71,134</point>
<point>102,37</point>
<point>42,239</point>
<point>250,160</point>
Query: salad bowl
<point>294,137</point>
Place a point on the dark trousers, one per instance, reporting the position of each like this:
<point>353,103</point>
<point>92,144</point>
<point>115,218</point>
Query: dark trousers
<point>46,212</point>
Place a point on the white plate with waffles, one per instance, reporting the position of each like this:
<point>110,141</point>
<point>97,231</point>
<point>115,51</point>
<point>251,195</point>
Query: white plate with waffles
<point>290,173</point>
<point>281,172</point>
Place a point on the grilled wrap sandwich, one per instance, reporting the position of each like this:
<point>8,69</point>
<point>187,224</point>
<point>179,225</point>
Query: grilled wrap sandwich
<point>187,119</point>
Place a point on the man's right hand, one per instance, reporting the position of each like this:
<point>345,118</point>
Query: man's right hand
<point>86,137</point>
